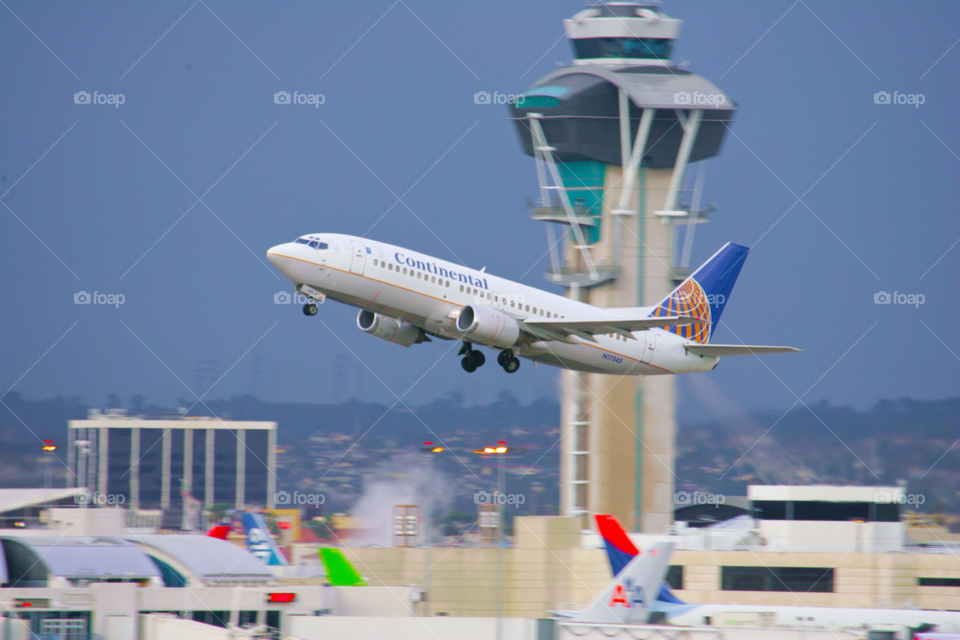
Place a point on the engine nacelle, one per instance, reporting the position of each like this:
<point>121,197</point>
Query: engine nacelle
<point>390,329</point>
<point>488,326</point>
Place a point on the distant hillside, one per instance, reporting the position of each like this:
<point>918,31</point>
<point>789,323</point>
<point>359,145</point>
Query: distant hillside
<point>336,448</point>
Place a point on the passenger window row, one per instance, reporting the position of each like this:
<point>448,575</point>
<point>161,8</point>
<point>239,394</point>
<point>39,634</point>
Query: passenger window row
<point>466,289</point>
<point>419,274</point>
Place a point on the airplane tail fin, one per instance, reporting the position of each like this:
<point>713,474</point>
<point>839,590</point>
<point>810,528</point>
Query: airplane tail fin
<point>705,293</point>
<point>219,531</point>
<point>631,595</point>
<point>259,541</point>
<point>621,550</point>
<point>340,572</point>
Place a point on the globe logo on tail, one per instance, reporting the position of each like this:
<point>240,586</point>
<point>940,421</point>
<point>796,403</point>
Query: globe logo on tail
<point>688,300</point>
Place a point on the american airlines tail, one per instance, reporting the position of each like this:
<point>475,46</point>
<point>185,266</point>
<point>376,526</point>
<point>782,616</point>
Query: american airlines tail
<point>621,550</point>
<point>630,596</point>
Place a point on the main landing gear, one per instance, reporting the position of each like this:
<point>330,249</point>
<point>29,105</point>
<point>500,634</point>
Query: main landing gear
<point>508,361</point>
<point>310,309</point>
<point>471,358</point>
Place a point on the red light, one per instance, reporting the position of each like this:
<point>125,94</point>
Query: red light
<point>428,443</point>
<point>26,604</point>
<point>281,597</point>
<point>283,525</point>
<point>502,442</point>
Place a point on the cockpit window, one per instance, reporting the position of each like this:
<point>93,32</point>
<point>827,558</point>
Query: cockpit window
<point>302,241</point>
<point>314,244</point>
<point>322,245</point>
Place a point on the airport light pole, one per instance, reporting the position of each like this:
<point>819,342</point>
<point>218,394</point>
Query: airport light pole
<point>500,451</point>
<point>429,450</point>
<point>49,447</point>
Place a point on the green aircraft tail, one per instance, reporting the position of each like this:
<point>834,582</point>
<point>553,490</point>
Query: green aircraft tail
<point>340,573</point>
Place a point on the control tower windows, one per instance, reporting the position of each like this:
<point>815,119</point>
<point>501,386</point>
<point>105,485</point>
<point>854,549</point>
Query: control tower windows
<point>638,48</point>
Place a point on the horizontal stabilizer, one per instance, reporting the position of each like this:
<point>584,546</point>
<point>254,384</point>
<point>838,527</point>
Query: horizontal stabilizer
<point>586,329</point>
<point>724,350</point>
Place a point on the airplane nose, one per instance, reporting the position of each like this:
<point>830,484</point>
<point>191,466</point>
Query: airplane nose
<point>274,255</point>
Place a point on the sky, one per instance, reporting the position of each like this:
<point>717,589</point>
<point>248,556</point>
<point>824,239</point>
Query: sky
<point>171,198</point>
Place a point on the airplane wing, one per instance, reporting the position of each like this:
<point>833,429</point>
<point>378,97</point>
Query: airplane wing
<point>723,350</point>
<point>559,329</point>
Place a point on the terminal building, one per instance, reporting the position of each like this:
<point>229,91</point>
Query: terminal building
<point>151,461</point>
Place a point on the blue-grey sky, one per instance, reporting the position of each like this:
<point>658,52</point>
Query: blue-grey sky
<point>106,198</point>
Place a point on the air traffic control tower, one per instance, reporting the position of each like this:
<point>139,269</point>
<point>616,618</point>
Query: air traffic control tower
<point>613,136</point>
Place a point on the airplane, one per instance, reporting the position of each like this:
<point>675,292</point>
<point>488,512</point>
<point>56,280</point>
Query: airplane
<point>406,297</point>
<point>256,537</point>
<point>339,571</point>
<point>625,564</point>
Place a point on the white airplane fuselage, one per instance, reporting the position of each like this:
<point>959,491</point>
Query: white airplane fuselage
<point>812,618</point>
<point>430,293</point>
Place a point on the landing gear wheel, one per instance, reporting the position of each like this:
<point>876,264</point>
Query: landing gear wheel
<point>468,364</point>
<point>511,365</point>
<point>503,356</point>
<point>478,358</point>
<point>310,309</point>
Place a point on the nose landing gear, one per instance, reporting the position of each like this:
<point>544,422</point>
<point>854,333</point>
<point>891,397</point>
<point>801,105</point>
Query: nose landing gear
<point>310,309</point>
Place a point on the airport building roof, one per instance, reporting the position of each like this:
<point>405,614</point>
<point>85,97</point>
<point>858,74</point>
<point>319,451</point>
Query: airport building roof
<point>13,499</point>
<point>205,559</point>
<point>824,493</point>
<point>77,558</point>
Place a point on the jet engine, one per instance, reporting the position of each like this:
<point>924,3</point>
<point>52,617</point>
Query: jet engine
<point>488,326</point>
<point>390,329</point>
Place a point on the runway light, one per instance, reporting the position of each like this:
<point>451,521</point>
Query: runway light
<point>436,449</point>
<point>49,446</point>
<point>281,597</point>
<point>500,448</point>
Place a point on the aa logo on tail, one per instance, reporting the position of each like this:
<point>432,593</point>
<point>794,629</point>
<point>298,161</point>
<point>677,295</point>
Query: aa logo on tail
<point>627,595</point>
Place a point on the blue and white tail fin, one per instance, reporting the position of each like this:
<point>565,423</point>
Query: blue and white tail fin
<point>632,594</point>
<point>259,541</point>
<point>705,293</point>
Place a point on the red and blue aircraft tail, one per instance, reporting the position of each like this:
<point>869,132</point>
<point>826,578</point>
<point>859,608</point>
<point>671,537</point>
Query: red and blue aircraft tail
<point>621,550</point>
